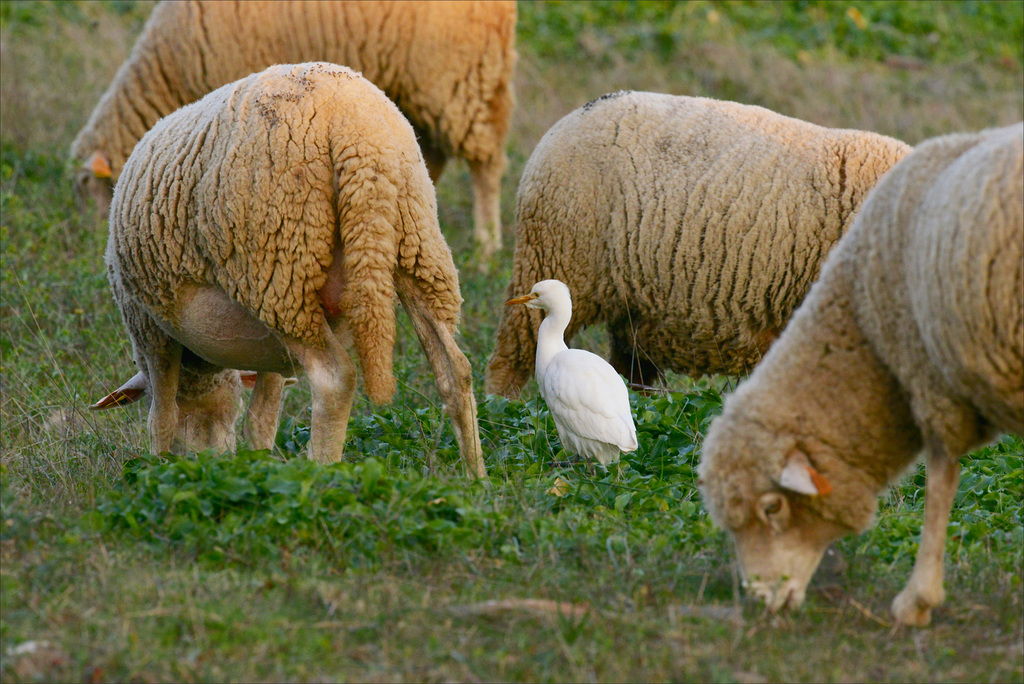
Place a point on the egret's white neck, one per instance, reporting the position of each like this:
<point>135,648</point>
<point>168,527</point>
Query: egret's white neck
<point>551,337</point>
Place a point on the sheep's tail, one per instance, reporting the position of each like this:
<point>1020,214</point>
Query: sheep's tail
<point>367,230</point>
<point>514,357</point>
<point>424,254</point>
<point>512,361</point>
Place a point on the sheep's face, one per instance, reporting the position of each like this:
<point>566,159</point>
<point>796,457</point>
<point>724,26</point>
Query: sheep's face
<point>207,408</point>
<point>761,487</point>
<point>780,547</point>
<point>94,183</point>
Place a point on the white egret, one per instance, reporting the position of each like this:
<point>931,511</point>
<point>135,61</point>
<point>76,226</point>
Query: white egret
<point>587,398</point>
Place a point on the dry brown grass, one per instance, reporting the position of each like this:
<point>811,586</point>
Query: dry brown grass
<point>51,76</point>
<point>910,103</point>
<point>50,83</point>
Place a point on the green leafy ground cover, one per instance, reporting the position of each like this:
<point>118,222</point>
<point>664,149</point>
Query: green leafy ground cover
<point>875,30</point>
<point>120,565</point>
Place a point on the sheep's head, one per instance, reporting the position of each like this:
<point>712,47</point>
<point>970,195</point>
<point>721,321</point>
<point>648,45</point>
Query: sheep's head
<point>206,418</point>
<point>207,409</point>
<point>94,180</point>
<point>761,486</point>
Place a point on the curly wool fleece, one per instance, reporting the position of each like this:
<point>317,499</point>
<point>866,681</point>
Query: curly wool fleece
<point>692,228</point>
<point>910,344</point>
<point>253,187</point>
<point>447,65</point>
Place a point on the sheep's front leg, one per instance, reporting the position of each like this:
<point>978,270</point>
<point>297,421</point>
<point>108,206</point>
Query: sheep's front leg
<point>454,380</point>
<point>486,177</point>
<point>332,379</point>
<point>913,605</point>
<point>164,370</point>
<point>264,411</point>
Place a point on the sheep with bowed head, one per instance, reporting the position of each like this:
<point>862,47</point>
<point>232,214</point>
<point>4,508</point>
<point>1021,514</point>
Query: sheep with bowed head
<point>268,227</point>
<point>911,343</point>
<point>447,65</point>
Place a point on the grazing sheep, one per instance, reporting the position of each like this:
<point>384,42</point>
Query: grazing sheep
<point>268,227</point>
<point>447,65</point>
<point>912,342</point>
<point>691,227</point>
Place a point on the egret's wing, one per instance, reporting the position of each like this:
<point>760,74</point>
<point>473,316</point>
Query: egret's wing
<point>590,398</point>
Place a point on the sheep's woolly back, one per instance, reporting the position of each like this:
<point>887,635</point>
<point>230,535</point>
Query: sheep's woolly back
<point>448,65</point>
<point>251,188</point>
<point>820,389</point>
<point>914,335</point>
<point>692,227</point>
<point>948,318</point>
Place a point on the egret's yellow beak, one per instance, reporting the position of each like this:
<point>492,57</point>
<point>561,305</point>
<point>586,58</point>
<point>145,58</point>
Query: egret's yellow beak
<point>522,300</point>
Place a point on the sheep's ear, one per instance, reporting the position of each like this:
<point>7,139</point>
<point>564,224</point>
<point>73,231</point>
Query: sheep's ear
<point>128,393</point>
<point>99,165</point>
<point>798,475</point>
<point>249,379</point>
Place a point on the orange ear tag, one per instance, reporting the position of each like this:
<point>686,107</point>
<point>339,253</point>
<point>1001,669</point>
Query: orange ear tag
<point>99,165</point>
<point>823,486</point>
<point>119,397</point>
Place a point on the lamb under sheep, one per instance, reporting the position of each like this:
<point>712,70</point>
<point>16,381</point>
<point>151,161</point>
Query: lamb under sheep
<point>911,343</point>
<point>692,228</point>
<point>447,65</point>
<point>268,227</point>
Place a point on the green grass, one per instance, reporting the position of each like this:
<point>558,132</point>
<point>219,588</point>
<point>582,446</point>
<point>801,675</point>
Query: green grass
<point>873,30</point>
<point>264,566</point>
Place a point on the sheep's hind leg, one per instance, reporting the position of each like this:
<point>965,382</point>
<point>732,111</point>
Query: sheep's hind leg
<point>486,177</point>
<point>264,411</point>
<point>332,379</point>
<point>164,370</point>
<point>453,378</point>
<point>913,605</point>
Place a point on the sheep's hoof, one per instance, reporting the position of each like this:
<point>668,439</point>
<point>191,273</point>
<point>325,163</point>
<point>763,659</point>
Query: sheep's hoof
<point>912,610</point>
